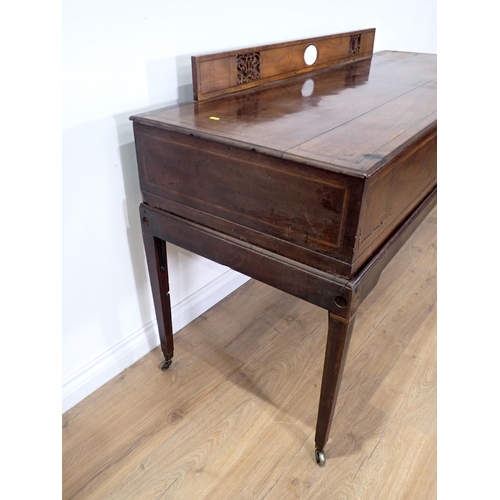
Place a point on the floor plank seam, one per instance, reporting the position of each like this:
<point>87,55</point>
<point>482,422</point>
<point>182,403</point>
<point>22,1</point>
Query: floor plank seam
<point>311,332</point>
<point>360,349</point>
<point>286,467</point>
<point>358,387</point>
<point>373,450</point>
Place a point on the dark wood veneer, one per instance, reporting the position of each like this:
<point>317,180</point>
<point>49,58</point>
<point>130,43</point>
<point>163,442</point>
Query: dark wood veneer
<point>310,183</point>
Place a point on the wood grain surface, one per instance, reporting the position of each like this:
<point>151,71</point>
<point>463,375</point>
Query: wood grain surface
<point>322,177</point>
<point>234,416</point>
<point>232,71</point>
<point>355,114</point>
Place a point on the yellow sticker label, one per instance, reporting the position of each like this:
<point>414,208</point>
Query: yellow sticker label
<point>214,118</point>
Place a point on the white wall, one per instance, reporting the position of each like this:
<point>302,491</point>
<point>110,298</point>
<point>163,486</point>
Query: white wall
<point>125,57</point>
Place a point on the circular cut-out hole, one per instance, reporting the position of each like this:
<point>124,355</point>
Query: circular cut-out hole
<point>145,220</point>
<point>340,301</point>
<point>310,54</point>
<point>307,88</point>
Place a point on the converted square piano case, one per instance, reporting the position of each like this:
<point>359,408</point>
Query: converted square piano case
<point>308,177</point>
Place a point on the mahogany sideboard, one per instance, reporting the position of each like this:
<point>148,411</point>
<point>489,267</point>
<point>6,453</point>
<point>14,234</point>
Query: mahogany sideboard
<point>307,176</point>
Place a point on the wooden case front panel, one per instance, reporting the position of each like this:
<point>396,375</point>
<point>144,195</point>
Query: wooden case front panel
<point>393,192</point>
<point>314,211</point>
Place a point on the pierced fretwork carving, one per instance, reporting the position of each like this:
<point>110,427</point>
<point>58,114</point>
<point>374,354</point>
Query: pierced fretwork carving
<point>354,45</point>
<point>248,66</point>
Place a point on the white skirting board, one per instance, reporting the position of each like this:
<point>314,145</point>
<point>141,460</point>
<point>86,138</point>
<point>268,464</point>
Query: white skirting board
<point>116,359</point>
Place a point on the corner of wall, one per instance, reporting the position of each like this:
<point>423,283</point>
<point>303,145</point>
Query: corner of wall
<point>93,375</point>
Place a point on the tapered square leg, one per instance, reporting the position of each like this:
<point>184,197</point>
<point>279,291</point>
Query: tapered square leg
<point>339,336</point>
<point>156,256</point>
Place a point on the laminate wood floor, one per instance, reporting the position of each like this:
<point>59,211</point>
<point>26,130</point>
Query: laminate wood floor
<point>234,416</point>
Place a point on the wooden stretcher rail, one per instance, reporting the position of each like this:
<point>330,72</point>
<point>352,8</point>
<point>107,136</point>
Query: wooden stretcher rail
<point>300,280</point>
<point>292,277</point>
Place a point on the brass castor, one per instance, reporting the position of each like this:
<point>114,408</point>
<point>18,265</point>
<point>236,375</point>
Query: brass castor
<point>165,364</point>
<point>320,457</point>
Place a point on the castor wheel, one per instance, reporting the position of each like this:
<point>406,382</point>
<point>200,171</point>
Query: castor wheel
<point>165,364</point>
<point>320,457</point>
